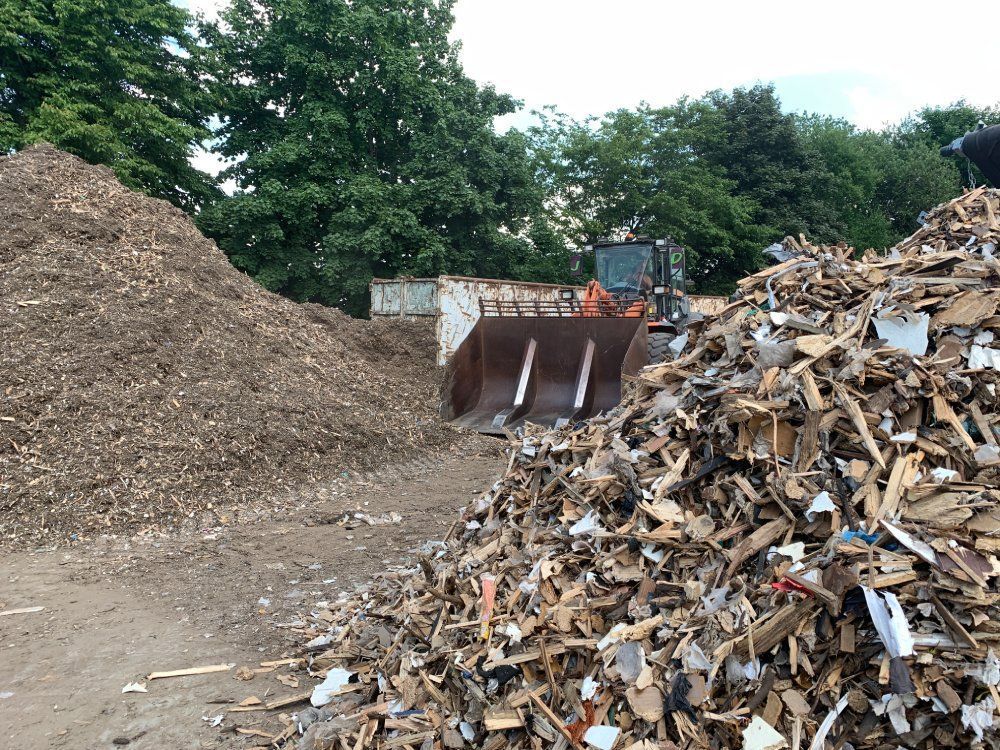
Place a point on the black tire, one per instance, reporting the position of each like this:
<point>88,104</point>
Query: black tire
<point>657,346</point>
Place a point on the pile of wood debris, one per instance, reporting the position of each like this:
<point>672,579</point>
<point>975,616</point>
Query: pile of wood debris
<point>784,538</point>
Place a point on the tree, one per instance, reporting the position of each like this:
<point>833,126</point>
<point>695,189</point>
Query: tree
<point>923,134</point>
<point>764,153</point>
<point>362,149</point>
<point>645,170</point>
<point>114,83</point>
<point>914,179</point>
<point>853,168</point>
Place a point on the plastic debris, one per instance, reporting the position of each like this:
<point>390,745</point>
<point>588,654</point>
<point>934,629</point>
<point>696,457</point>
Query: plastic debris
<point>336,680</point>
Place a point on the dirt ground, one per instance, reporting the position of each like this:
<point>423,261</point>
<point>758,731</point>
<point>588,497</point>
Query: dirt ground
<point>117,609</point>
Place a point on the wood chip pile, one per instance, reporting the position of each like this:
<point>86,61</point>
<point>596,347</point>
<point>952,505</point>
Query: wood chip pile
<point>144,380</point>
<point>784,538</point>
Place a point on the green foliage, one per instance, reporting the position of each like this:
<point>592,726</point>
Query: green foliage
<point>763,152</point>
<point>933,127</point>
<point>847,180</point>
<point>730,173</point>
<point>643,170</point>
<point>114,83</point>
<point>365,151</point>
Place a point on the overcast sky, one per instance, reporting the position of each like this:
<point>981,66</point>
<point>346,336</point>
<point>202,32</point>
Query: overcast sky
<point>871,62</point>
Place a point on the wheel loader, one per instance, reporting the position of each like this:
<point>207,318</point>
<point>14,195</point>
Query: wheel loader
<point>557,362</point>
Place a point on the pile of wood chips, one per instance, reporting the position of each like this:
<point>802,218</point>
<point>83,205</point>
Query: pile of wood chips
<point>784,538</point>
<point>147,385</point>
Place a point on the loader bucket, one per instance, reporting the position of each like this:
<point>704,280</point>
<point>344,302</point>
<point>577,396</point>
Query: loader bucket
<point>545,370</point>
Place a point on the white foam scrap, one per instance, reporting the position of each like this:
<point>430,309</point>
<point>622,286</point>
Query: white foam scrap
<point>905,331</point>
<point>822,503</point>
<point>988,672</point>
<point>650,552</point>
<point>586,525</point>
<point>982,358</point>
<point>895,707</point>
<point>602,737</point>
<point>335,680</point>
<point>987,453</point>
<point>511,630</point>
<point>890,622</point>
<point>694,659</point>
<point>612,636</point>
<point>677,345</point>
<point>979,717</point>
<point>943,475</point>
<point>796,550</point>
<point>760,735</point>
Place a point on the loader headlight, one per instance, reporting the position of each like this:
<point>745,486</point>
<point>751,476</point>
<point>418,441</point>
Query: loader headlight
<point>659,290</point>
<point>566,294</point>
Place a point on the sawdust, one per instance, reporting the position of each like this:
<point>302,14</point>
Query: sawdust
<point>144,379</point>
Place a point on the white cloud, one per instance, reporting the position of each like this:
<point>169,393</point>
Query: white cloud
<point>208,162</point>
<point>209,8</point>
<point>875,60</point>
<point>590,56</point>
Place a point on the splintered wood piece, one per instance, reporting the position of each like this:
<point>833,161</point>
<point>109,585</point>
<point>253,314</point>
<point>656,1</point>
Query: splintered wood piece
<point>813,398</point>
<point>944,412</point>
<point>191,671</point>
<point>831,600</point>
<point>847,638</point>
<point>290,700</point>
<point>777,627</point>
<point>904,470</point>
<point>21,611</point>
<point>555,721</point>
<point>860,424</point>
<point>498,721</point>
<point>758,540</point>
<point>984,426</point>
<point>953,624</point>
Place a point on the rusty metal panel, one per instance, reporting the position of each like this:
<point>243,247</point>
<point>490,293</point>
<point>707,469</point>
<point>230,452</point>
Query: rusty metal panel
<point>707,304</point>
<point>458,305</point>
<point>385,297</point>
<point>403,298</point>
<point>420,297</point>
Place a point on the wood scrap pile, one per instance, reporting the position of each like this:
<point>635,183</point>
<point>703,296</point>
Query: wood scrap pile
<point>784,538</point>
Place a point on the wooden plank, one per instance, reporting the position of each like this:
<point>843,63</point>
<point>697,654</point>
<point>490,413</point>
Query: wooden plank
<point>860,424</point>
<point>191,671</point>
<point>21,611</point>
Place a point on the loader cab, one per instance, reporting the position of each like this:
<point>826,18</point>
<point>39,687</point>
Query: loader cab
<point>626,269</point>
<point>651,269</point>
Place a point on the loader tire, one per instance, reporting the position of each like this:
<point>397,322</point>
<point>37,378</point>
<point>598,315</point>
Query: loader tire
<point>657,346</point>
